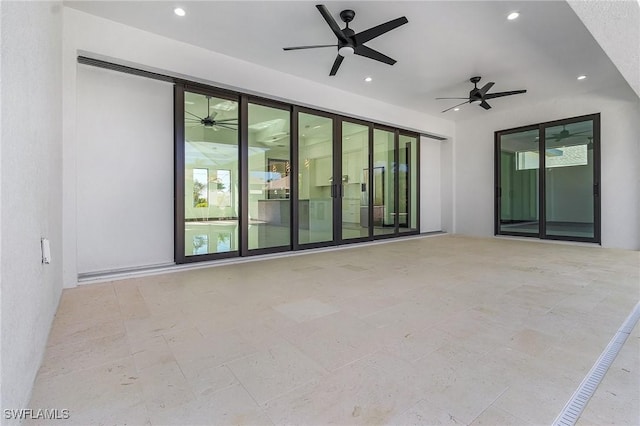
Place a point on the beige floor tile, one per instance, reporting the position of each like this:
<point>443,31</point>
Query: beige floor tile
<point>164,387</point>
<point>275,371</point>
<point>305,309</point>
<point>369,391</point>
<point>106,394</point>
<point>150,352</point>
<point>335,340</point>
<point>532,342</point>
<point>218,348</point>
<point>446,330</point>
<point>496,417</point>
<point>130,300</point>
<point>229,406</point>
<point>426,413</point>
<point>67,357</point>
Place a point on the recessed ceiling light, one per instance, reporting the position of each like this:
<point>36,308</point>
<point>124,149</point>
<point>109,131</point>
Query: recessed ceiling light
<point>512,16</point>
<point>368,79</point>
<point>179,11</point>
<point>582,77</point>
<point>456,109</point>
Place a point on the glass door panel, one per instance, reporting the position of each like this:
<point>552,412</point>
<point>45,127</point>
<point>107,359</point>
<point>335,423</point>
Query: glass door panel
<point>355,181</point>
<point>211,175</point>
<point>384,208</point>
<point>269,168</point>
<point>519,183</point>
<point>407,184</point>
<point>316,187</point>
<point>569,180</point>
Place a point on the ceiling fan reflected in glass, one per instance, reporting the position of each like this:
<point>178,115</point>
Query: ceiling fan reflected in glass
<point>209,121</point>
<point>350,43</point>
<point>480,96</point>
<point>564,134</point>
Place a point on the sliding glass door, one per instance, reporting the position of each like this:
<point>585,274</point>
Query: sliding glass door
<point>317,186</point>
<point>256,176</point>
<point>355,181</point>
<point>384,183</point>
<point>519,160</point>
<point>570,185</point>
<point>408,183</point>
<point>210,188</point>
<point>269,177</point>
<point>562,203</point>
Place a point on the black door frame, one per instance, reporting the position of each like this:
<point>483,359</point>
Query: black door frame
<point>179,167</point>
<point>369,183</point>
<point>244,220</point>
<point>542,127</point>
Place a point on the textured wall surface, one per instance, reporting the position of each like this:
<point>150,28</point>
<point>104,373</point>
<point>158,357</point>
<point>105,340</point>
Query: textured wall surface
<point>616,27</point>
<point>31,179</point>
<point>125,171</point>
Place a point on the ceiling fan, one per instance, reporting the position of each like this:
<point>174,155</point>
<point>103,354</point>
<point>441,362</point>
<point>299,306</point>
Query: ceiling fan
<point>564,134</point>
<point>480,96</point>
<point>209,122</point>
<point>350,43</point>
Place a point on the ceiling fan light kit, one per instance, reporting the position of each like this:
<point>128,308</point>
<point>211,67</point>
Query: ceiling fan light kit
<point>349,43</point>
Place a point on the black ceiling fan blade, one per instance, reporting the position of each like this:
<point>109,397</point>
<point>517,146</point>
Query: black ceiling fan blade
<point>368,52</point>
<point>450,98</point>
<point>332,23</point>
<point>226,119</point>
<point>501,94</point>
<point>485,105</point>
<point>486,88</point>
<point>309,47</point>
<point>378,30</point>
<point>190,113</point>
<point>456,106</point>
<point>336,65</point>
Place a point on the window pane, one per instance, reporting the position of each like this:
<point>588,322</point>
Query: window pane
<point>519,165</point>
<point>407,184</point>
<point>315,179</point>
<point>355,181</point>
<point>269,177</point>
<point>384,209</point>
<point>211,175</point>
<point>569,180</point>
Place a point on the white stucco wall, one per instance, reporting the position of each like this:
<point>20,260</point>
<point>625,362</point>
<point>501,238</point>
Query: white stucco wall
<point>31,190</point>
<point>125,171</point>
<point>97,37</point>
<point>430,185</point>
<point>620,174</point>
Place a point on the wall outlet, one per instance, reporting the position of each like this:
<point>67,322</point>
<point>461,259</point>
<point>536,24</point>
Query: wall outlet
<point>46,250</point>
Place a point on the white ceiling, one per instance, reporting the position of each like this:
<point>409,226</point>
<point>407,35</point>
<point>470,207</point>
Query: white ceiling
<point>443,45</point>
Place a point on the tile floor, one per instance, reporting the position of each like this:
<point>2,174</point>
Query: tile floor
<point>440,330</point>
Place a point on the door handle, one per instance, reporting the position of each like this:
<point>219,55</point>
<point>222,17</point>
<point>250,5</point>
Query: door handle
<point>333,190</point>
<point>596,189</point>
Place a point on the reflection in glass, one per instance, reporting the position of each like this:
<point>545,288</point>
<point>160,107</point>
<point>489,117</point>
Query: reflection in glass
<point>569,180</point>
<point>315,179</point>
<point>519,166</point>
<point>269,177</point>
<point>407,184</point>
<point>211,174</point>
<point>355,181</point>
<point>384,174</point>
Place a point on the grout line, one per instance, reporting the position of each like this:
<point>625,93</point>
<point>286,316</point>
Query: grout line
<point>580,398</point>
